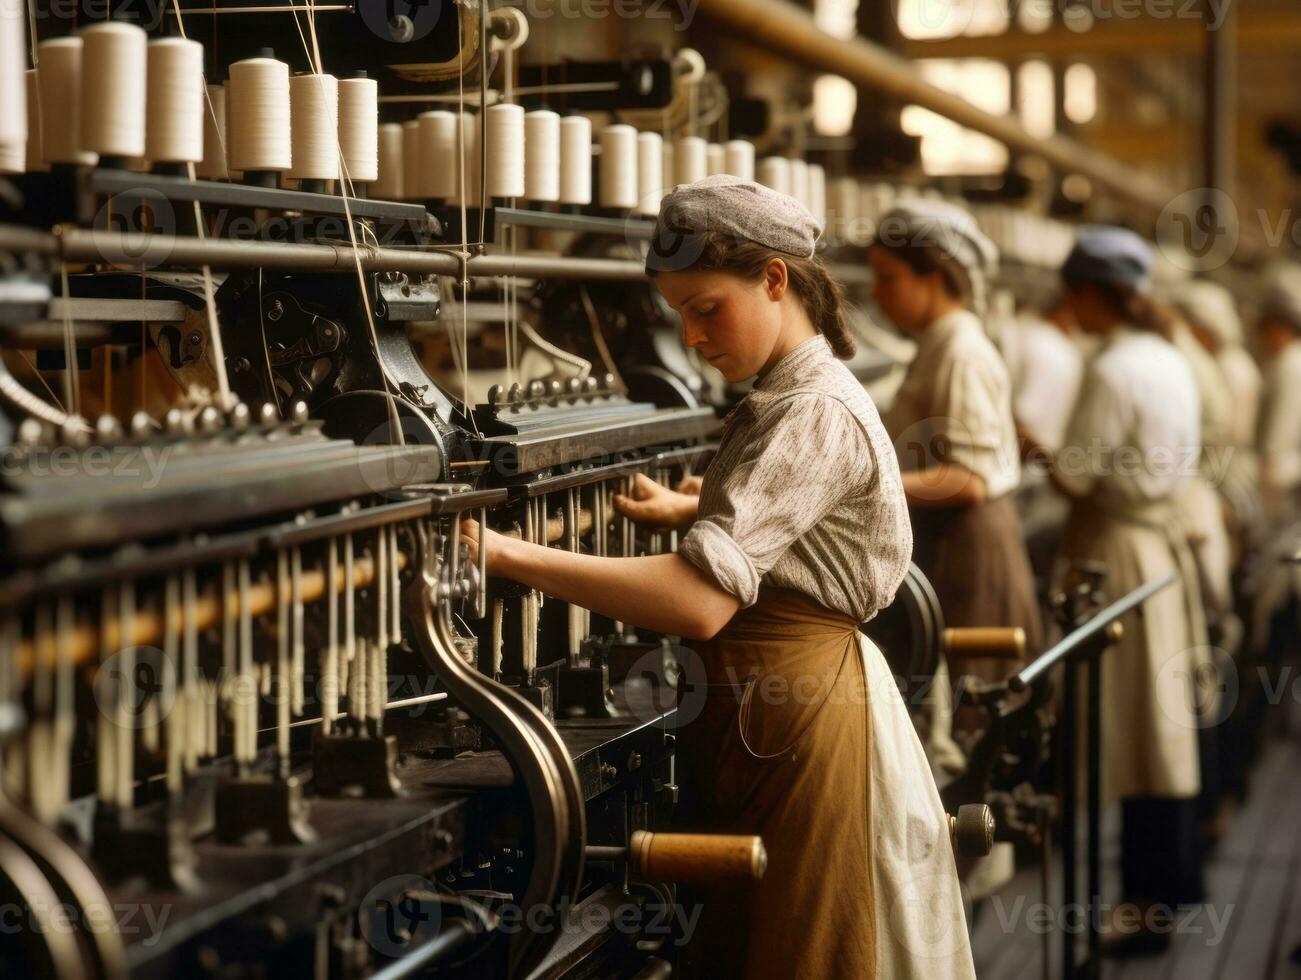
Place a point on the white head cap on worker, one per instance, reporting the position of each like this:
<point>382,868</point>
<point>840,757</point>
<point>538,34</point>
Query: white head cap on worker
<point>1210,307</point>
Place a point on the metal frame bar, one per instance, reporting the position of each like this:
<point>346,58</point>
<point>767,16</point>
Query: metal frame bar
<point>791,31</point>
<point>155,251</point>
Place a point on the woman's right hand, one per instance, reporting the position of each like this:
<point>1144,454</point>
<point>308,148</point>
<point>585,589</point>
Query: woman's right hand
<point>690,485</point>
<point>655,505</point>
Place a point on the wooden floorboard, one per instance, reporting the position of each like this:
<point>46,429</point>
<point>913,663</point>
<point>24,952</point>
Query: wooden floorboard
<point>1253,884</point>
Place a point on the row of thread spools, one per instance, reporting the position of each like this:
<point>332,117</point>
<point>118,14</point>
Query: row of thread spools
<point>113,96</point>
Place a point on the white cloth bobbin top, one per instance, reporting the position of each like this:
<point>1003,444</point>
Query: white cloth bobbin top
<point>437,166</point>
<point>505,166</point>
<point>257,116</point>
<point>650,174</point>
<point>691,160</point>
<point>59,76</point>
<point>618,167</point>
<point>13,88</point>
<point>314,109</point>
<point>113,66</point>
<point>738,159</point>
<point>176,110</point>
<point>818,192</point>
<point>467,169</point>
<point>541,155</point>
<point>388,185</point>
<point>359,127</point>
<point>213,165</point>
<point>715,159</point>
<point>775,172</point>
<point>575,160</point>
<point>413,154</point>
<point>842,206</point>
<point>799,181</point>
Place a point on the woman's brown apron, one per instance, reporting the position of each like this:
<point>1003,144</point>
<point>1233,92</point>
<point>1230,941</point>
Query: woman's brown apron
<point>780,747</point>
<point>976,560</point>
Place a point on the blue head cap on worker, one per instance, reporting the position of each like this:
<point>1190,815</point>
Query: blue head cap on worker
<point>1105,255</point>
<point>742,210</point>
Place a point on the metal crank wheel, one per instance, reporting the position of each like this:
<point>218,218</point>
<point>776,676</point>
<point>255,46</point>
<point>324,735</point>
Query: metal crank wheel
<point>910,632</point>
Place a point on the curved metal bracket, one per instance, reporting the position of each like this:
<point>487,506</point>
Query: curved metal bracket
<point>21,879</point>
<point>531,745</point>
<point>73,881</point>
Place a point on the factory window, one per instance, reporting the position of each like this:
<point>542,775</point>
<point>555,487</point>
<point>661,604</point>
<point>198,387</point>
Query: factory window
<point>1081,100</point>
<point>923,19</point>
<point>839,18</point>
<point>835,98</point>
<point>1034,16</point>
<point>946,147</point>
<point>1036,96</point>
<point>834,102</point>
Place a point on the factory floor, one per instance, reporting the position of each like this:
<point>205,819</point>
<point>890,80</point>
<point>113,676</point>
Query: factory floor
<point>1250,924</point>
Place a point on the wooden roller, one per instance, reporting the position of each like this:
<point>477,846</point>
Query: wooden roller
<point>147,625</point>
<point>986,643</point>
<point>972,830</point>
<point>697,859</point>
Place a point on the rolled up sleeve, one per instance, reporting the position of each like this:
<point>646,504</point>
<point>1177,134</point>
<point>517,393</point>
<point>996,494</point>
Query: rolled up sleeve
<point>805,455</point>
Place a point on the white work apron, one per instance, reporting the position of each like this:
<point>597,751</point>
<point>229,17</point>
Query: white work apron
<point>921,924</point>
<point>1154,681</point>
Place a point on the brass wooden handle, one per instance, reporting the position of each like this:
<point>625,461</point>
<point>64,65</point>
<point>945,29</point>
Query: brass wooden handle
<point>697,859</point>
<point>991,642</point>
<point>972,830</point>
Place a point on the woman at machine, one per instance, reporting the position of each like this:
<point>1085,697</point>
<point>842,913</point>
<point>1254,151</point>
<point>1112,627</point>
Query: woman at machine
<point>952,426</point>
<point>1132,444</point>
<point>798,535</point>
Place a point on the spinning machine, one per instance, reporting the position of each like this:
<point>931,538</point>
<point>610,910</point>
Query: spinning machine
<point>285,293</point>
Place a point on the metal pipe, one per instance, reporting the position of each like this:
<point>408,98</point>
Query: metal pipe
<point>155,251</point>
<point>1220,113</point>
<point>790,31</point>
<point>1073,643</point>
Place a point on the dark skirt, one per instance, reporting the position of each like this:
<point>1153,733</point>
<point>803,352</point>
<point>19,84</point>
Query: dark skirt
<point>976,560</point>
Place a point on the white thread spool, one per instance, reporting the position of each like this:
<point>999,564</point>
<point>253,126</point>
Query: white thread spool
<point>359,127</point>
<point>575,160</point>
<point>436,174</point>
<point>739,159</point>
<point>468,192</point>
<point>541,155</point>
<point>799,181</point>
<point>413,152</point>
<point>775,172</point>
<point>691,161</point>
<point>213,164</point>
<point>818,192</point>
<point>314,109</point>
<point>13,88</point>
<point>842,201</point>
<point>650,177</point>
<point>388,183</point>
<point>505,174</point>
<point>113,66</point>
<point>258,116</point>
<point>35,125</point>
<point>59,76</point>
<point>618,169</point>
<point>175,109</point>
<point>715,159</point>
